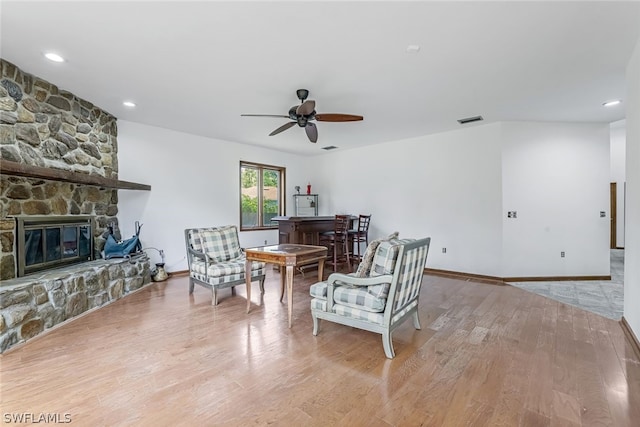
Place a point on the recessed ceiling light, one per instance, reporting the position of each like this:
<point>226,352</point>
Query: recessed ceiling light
<point>413,48</point>
<point>53,57</point>
<point>129,104</point>
<point>612,103</point>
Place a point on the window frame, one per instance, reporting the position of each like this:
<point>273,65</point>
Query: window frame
<point>260,167</point>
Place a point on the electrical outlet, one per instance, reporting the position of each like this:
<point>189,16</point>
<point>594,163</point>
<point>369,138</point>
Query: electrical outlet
<point>603,214</point>
<point>265,243</point>
<point>444,250</point>
<point>562,254</point>
<point>512,214</point>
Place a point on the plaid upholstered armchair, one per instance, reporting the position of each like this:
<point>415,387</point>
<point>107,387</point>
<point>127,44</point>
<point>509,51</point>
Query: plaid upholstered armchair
<point>216,260</point>
<point>382,297</point>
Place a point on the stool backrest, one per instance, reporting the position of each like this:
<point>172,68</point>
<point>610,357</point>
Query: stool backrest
<point>363,223</point>
<point>341,224</point>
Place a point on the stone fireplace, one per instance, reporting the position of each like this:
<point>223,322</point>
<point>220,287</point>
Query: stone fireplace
<point>43,126</point>
<point>48,242</point>
<point>59,193</point>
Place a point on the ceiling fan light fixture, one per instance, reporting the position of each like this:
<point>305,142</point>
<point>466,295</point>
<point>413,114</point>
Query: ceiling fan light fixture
<point>304,116</point>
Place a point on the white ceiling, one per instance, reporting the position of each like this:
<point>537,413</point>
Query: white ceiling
<point>196,66</point>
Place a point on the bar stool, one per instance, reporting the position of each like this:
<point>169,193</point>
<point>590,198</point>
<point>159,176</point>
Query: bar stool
<point>338,241</point>
<point>360,235</point>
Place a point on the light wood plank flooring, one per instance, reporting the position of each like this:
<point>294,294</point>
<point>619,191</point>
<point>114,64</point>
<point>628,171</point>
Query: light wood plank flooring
<point>487,355</point>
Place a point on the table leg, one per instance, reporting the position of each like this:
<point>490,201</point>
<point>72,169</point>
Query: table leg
<point>282,273</point>
<point>290,290</point>
<point>320,269</point>
<point>247,275</point>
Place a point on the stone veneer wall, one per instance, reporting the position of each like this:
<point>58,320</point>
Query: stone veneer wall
<point>34,304</point>
<point>44,126</point>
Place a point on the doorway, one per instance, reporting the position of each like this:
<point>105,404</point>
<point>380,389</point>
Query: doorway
<point>614,214</point>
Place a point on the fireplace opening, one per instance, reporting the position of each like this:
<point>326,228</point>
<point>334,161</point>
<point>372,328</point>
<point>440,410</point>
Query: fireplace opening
<point>46,242</point>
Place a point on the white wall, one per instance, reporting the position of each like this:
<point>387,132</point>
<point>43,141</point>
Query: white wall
<point>618,148</point>
<point>556,177</point>
<point>446,186</point>
<point>194,183</point>
<point>455,187</point>
<point>632,232</point>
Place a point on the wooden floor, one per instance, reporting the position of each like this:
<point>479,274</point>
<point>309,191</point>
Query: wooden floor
<point>486,355</point>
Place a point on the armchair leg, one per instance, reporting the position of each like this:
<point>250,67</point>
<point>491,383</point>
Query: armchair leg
<point>233,290</point>
<point>214,300</point>
<point>191,285</point>
<point>416,320</point>
<point>262,285</point>
<point>388,344</point>
<point>316,324</point>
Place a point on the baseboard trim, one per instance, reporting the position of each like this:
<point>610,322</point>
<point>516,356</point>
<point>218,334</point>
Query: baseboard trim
<point>491,280</point>
<point>555,278</point>
<point>628,332</point>
<point>179,273</point>
<point>504,280</point>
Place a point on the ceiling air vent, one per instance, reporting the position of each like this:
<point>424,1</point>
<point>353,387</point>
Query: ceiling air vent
<point>470,120</point>
<point>329,147</point>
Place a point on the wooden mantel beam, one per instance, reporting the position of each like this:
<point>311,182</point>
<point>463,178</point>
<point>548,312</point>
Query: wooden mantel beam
<point>8,167</point>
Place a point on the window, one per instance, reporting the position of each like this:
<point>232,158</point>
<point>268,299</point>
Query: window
<point>261,195</point>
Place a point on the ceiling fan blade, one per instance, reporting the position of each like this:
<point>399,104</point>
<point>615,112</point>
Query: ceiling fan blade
<point>282,128</point>
<point>312,132</point>
<point>263,115</point>
<point>335,117</point>
<point>306,108</point>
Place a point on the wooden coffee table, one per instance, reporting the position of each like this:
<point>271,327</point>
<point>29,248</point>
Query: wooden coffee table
<point>287,256</point>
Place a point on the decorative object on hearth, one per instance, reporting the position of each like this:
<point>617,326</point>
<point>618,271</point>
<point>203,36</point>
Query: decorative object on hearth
<point>159,274</point>
<point>125,248</point>
<point>304,114</point>
<point>297,187</point>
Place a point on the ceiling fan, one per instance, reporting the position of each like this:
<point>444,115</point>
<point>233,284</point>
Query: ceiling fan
<point>304,114</point>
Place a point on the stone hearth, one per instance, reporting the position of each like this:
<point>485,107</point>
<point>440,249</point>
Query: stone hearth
<point>39,301</point>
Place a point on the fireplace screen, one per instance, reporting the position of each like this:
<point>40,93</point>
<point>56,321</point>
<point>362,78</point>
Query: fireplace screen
<point>49,242</point>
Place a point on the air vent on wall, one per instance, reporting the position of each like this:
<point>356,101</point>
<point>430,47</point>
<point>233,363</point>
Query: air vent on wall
<point>470,120</point>
<point>329,147</point>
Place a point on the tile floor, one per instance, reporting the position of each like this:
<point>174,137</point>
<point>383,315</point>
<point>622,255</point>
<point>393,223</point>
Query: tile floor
<point>601,297</point>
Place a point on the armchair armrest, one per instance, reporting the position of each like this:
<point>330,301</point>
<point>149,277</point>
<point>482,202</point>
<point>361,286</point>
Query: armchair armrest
<point>358,281</point>
<point>352,281</point>
<point>197,254</point>
<point>201,255</point>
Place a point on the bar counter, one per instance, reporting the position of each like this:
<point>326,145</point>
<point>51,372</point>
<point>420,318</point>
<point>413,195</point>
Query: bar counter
<point>304,230</point>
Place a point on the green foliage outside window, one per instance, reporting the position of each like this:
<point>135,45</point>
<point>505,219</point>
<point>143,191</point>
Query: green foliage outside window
<point>259,185</point>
